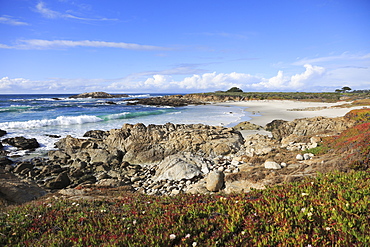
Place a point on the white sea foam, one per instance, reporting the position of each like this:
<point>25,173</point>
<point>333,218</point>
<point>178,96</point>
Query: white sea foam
<point>140,96</point>
<point>62,120</point>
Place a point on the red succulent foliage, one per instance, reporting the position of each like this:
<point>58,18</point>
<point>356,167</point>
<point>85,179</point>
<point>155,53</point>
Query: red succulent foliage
<point>353,143</point>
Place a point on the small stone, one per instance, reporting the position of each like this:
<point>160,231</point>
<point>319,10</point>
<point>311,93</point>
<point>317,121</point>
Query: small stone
<point>175,192</point>
<point>307,156</point>
<point>283,164</point>
<point>221,169</point>
<point>315,139</point>
<point>294,166</point>
<point>235,162</point>
<point>299,157</point>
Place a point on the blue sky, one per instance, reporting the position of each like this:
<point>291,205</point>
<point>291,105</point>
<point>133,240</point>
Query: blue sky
<point>177,46</point>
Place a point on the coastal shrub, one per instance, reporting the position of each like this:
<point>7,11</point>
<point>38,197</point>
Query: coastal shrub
<point>320,149</point>
<point>329,210</point>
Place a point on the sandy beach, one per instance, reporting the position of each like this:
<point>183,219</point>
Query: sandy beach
<point>264,111</point>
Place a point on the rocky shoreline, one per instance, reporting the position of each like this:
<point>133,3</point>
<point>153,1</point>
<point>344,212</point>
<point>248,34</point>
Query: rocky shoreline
<point>171,159</point>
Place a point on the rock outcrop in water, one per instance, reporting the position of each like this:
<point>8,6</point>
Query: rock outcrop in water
<point>173,100</point>
<point>22,143</point>
<point>101,95</point>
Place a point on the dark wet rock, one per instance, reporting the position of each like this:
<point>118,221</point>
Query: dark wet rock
<point>22,166</point>
<point>53,136</point>
<point>60,182</point>
<point>5,161</point>
<point>2,133</point>
<point>88,178</point>
<point>22,142</point>
<point>98,134</point>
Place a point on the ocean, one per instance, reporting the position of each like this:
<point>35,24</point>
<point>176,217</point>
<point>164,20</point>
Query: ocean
<point>44,116</point>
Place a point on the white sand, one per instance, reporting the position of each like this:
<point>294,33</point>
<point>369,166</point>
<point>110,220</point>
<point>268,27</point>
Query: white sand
<point>264,111</point>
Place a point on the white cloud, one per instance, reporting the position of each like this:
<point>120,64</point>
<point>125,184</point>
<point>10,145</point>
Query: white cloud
<point>52,14</point>
<point>6,19</point>
<point>57,44</point>
<point>7,84</point>
<point>342,57</point>
<point>311,72</point>
<point>297,81</point>
<point>48,13</point>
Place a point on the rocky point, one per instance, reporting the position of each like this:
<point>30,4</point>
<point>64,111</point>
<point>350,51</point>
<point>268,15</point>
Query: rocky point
<point>176,158</point>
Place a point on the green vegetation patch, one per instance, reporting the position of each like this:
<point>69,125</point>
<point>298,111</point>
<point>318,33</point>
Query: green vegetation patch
<point>332,209</point>
<point>359,115</point>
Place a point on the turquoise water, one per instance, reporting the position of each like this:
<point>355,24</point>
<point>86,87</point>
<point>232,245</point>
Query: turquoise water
<point>38,116</point>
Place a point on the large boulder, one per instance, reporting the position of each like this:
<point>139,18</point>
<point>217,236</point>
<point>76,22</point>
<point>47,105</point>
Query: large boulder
<point>98,134</point>
<point>181,166</point>
<point>308,126</point>
<point>14,190</point>
<point>246,126</point>
<point>215,181</point>
<point>146,144</point>
<point>60,182</point>
<point>258,145</point>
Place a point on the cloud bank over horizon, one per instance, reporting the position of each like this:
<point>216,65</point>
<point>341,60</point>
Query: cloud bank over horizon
<point>310,80</point>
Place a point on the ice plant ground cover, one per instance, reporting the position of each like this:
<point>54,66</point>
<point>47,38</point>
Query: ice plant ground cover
<point>353,144</point>
<point>329,210</point>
